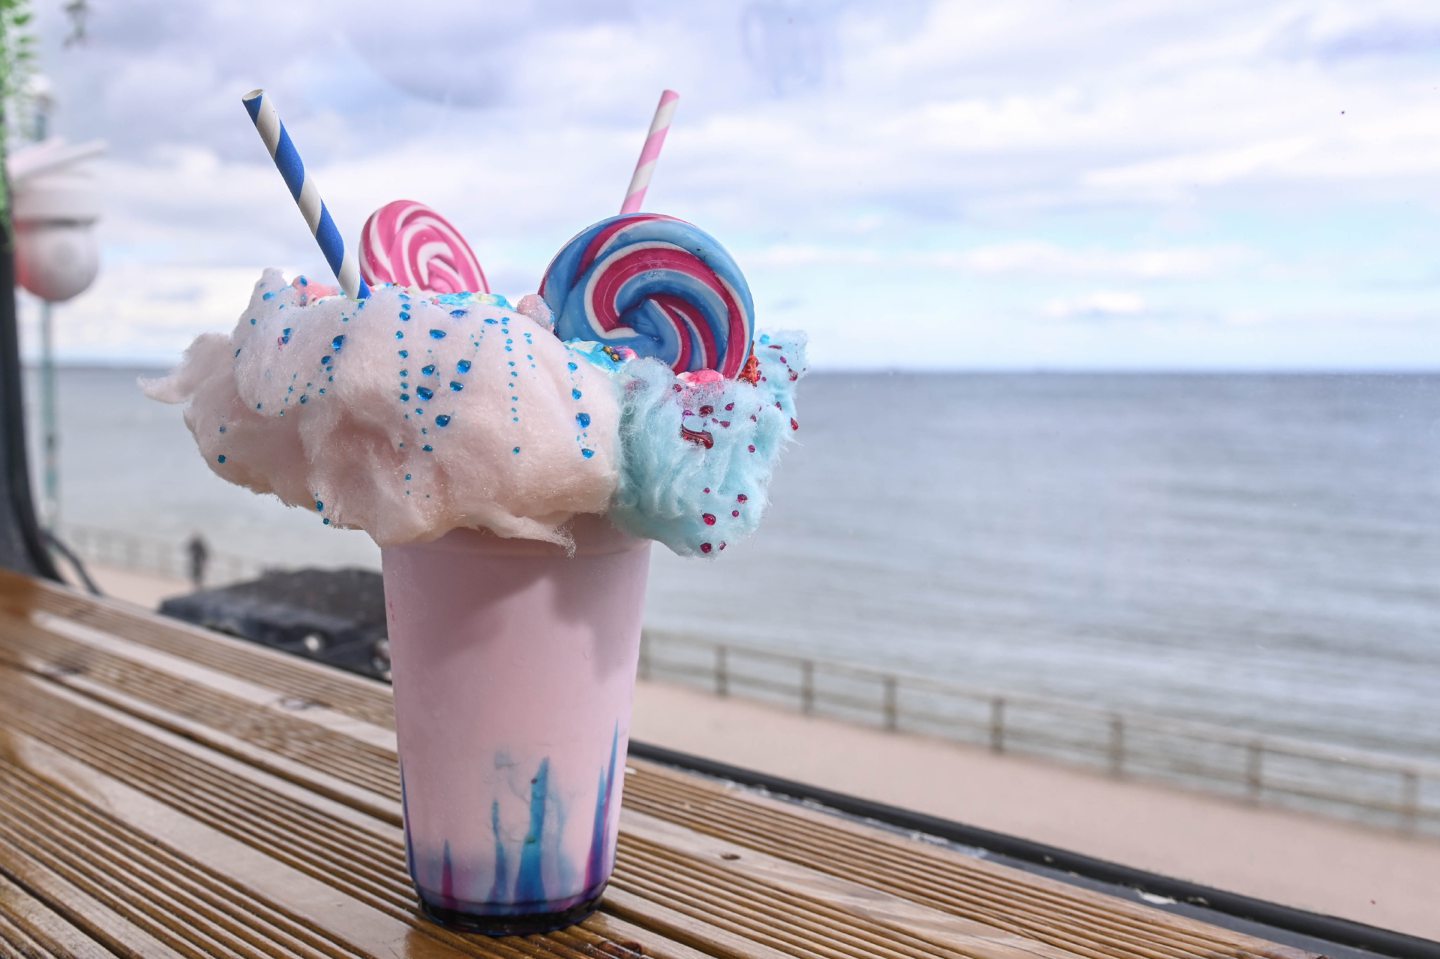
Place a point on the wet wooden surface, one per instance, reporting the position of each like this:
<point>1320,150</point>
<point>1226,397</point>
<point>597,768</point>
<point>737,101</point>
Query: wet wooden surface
<point>168,792</point>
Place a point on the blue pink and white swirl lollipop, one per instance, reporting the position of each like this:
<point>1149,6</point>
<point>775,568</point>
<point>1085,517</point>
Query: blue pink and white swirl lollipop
<point>656,285</point>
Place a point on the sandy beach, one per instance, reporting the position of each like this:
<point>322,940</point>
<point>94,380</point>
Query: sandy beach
<point>1369,875</point>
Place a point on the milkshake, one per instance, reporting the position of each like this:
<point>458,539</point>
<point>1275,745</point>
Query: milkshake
<point>513,462</point>
<point>514,667</point>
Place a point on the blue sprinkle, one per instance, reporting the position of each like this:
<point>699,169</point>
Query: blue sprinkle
<point>304,282</point>
<point>457,313</point>
<point>583,419</point>
<point>489,322</point>
<point>319,506</point>
<point>437,334</point>
<point>428,370</point>
<point>222,429</point>
<point>514,419</point>
<point>325,521</point>
<point>509,349</point>
<point>252,321</point>
<point>220,458</point>
<point>267,296</point>
<point>304,399</point>
<point>237,351</point>
<point>456,387</point>
<point>419,411</point>
<point>512,362</point>
<point>259,405</point>
<point>587,453</point>
<point>404,316</point>
<point>405,397</point>
<point>325,360</point>
<point>285,335</point>
<point>463,366</point>
<point>425,392</point>
<point>428,448</point>
<point>399,334</point>
<point>322,391</point>
<point>404,354</point>
<point>407,477</point>
<point>404,372</point>
<point>572,366</point>
<point>575,394</point>
<point>442,420</point>
<point>515,450</point>
<point>338,342</point>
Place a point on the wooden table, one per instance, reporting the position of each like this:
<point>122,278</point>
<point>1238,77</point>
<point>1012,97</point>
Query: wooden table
<point>165,791</point>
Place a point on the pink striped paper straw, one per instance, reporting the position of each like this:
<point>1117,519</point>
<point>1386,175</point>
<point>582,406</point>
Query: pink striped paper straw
<point>659,126</point>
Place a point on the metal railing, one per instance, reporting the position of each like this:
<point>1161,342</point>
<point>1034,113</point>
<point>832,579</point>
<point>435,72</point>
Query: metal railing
<point>1275,770</point>
<point>164,557</point>
<point>1264,769</point>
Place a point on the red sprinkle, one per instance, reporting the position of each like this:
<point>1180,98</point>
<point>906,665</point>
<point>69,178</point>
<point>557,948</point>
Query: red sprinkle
<point>794,425</point>
<point>698,436</point>
<point>706,410</point>
<point>725,424</point>
<point>722,547</point>
<point>734,512</point>
<point>774,346</point>
<point>741,498</point>
<point>707,489</point>
<point>709,518</point>
<point>729,406</point>
<point>751,373</point>
<point>705,547</point>
<point>752,447</point>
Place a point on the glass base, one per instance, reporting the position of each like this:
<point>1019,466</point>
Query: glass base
<point>511,925</point>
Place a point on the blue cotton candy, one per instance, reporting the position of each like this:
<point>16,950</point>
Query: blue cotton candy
<point>694,499</point>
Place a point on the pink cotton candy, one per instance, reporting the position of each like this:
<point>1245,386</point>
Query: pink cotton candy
<point>403,415</point>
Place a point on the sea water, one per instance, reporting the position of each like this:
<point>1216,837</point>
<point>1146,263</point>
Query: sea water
<point>1257,550</point>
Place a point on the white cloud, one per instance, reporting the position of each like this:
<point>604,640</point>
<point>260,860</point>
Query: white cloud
<point>1025,259</point>
<point>1100,305</point>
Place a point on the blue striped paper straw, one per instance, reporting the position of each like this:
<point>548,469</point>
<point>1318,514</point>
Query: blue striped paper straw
<point>342,261</point>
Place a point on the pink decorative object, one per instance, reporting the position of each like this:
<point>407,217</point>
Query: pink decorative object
<point>409,244</point>
<point>310,291</point>
<point>645,167</point>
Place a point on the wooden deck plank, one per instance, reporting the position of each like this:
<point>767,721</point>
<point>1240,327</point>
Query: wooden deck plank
<point>207,742</point>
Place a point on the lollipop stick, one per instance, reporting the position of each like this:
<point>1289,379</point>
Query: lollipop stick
<point>306,193</point>
<point>640,182</point>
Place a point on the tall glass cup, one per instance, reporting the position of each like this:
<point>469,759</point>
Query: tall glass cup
<point>514,671</point>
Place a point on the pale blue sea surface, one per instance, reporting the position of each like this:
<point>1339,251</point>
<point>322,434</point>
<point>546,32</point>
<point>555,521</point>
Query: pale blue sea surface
<point>1262,551</point>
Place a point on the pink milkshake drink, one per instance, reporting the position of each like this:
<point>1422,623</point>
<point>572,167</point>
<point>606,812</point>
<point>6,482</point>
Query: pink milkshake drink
<point>513,463</point>
<point>514,669</point>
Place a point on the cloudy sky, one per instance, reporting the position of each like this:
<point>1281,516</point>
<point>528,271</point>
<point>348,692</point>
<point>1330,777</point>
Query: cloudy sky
<point>1029,184</point>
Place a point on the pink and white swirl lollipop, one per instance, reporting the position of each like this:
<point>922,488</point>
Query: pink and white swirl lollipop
<point>409,244</point>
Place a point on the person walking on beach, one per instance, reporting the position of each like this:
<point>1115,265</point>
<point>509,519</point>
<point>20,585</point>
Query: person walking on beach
<point>199,557</point>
